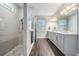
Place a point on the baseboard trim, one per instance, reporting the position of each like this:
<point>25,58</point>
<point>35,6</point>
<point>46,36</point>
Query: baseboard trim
<point>30,49</point>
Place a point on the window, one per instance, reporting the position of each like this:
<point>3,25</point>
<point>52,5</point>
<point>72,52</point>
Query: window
<point>62,23</point>
<point>41,24</point>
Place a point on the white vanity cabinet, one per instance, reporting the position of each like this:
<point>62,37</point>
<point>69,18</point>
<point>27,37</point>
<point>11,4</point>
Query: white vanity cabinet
<point>57,39</point>
<point>66,43</point>
<point>60,42</point>
<point>52,37</point>
<point>70,45</point>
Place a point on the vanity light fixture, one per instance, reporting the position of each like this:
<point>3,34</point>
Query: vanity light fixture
<point>5,5</point>
<point>72,9</point>
<point>63,12</point>
<point>68,9</point>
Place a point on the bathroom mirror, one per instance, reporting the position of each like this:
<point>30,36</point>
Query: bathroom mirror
<point>67,20</point>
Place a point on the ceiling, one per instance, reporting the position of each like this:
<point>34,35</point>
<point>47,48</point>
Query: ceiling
<point>44,9</point>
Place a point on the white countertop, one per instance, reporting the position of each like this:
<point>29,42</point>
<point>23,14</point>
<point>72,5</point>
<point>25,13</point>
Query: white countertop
<point>64,32</point>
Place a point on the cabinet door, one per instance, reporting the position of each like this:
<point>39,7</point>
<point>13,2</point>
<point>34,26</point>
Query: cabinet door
<point>60,42</point>
<point>52,37</point>
<point>47,35</point>
<point>70,45</point>
<point>56,39</point>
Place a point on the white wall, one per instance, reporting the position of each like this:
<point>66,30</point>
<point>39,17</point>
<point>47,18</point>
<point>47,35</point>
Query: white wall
<point>20,10</point>
<point>8,23</point>
<point>24,32</point>
<point>29,28</point>
<point>78,29</point>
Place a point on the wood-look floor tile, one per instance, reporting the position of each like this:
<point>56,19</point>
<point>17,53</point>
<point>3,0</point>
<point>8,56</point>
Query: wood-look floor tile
<point>44,47</point>
<point>41,48</point>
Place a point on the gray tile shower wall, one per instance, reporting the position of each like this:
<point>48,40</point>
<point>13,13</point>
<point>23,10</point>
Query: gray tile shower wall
<point>6,46</point>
